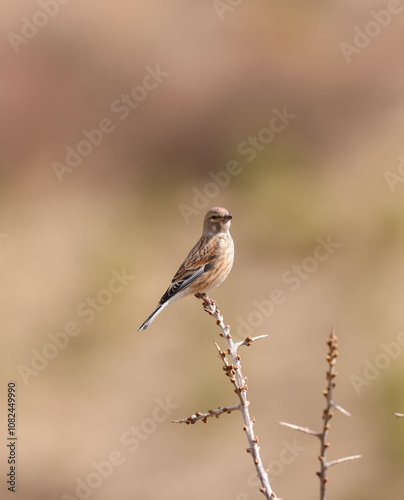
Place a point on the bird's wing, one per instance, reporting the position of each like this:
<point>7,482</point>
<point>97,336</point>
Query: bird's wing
<point>178,286</point>
<point>204,252</point>
<point>198,261</point>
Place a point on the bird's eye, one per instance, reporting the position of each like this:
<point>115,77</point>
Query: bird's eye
<point>214,217</point>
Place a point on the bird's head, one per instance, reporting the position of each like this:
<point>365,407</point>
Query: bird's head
<point>217,220</point>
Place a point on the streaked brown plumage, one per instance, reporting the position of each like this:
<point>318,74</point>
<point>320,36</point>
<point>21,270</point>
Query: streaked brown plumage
<point>206,266</point>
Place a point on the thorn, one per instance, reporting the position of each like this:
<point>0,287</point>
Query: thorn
<point>340,409</point>
<point>342,460</point>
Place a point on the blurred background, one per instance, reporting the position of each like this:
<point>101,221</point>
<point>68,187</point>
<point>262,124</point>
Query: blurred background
<point>121,124</point>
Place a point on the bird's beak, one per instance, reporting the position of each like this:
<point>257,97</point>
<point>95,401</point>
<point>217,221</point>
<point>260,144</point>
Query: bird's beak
<point>227,217</point>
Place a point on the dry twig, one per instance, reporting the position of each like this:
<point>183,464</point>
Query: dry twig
<point>232,367</point>
<point>204,416</point>
<point>327,416</point>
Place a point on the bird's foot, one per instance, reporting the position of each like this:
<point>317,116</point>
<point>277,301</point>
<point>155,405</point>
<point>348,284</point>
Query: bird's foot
<point>207,301</point>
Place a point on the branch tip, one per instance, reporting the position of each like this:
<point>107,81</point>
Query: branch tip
<point>340,409</point>
<point>342,460</point>
<point>306,430</point>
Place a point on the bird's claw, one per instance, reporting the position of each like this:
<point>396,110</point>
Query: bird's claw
<point>207,302</point>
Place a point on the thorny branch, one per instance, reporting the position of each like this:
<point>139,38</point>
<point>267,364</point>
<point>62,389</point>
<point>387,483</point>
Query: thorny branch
<point>232,367</point>
<point>327,416</point>
<point>204,416</point>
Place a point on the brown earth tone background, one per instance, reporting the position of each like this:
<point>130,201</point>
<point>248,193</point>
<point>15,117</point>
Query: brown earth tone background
<point>131,203</point>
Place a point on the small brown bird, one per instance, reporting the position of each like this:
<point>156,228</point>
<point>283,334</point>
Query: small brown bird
<point>206,266</point>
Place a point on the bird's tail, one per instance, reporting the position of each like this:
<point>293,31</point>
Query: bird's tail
<point>155,313</point>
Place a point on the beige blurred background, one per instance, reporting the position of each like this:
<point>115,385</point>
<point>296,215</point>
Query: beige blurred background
<point>333,171</point>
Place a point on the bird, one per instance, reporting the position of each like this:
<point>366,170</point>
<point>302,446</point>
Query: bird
<point>206,266</point>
